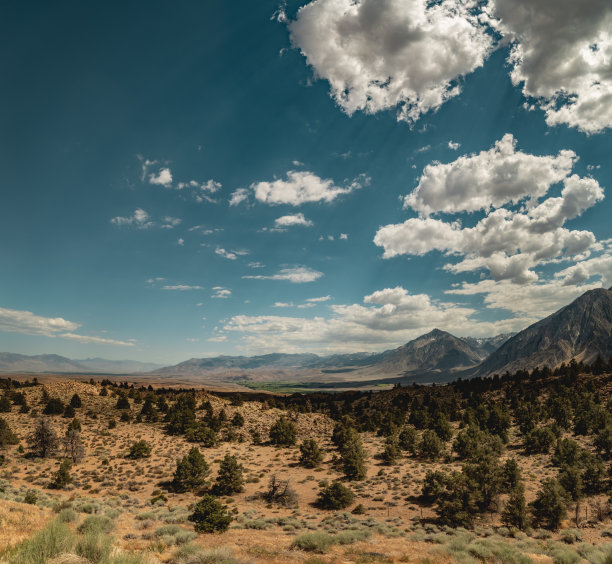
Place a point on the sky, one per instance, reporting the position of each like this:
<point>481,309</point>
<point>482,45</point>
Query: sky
<point>191,179</point>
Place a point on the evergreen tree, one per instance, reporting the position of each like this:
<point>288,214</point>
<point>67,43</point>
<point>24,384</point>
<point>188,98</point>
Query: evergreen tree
<point>62,477</point>
<point>43,441</point>
<point>75,401</point>
<point>391,452</point>
<point>7,437</point>
<point>430,446</point>
<point>407,439</point>
<point>210,516</point>
<point>515,511</point>
<point>230,477</point>
<point>191,472</point>
<point>54,406</point>
<point>139,449</point>
<point>550,505</point>
<point>353,456</point>
<point>5,404</point>
<point>283,432</point>
<point>310,454</point>
<point>335,496</point>
<point>238,420</point>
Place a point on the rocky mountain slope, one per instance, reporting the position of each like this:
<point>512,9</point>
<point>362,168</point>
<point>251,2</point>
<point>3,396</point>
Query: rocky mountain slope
<point>581,330</point>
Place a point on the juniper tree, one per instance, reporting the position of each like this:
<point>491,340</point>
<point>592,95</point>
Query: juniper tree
<point>515,511</point>
<point>7,437</point>
<point>73,445</point>
<point>550,505</point>
<point>62,477</point>
<point>230,477</point>
<point>210,516</point>
<point>283,432</point>
<point>43,441</point>
<point>75,401</point>
<point>310,454</point>
<point>191,472</point>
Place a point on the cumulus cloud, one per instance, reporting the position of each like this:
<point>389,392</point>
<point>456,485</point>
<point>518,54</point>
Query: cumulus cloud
<point>561,53</point>
<point>297,275</point>
<point>507,241</point>
<point>490,178</point>
<point>220,292</point>
<point>162,178</point>
<point>291,220</point>
<point>19,321</point>
<point>381,54</point>
<point>140,219</point>
<point>28,323</point>
<point>387,318</point>
<point>298,188</point>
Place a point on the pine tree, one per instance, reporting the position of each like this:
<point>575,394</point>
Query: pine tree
<point>283,432</point>
<point>310,454</point>
<point>515,511</point>
<point>353,456</point>
<point>75,401</point>
<point>550,505</point>
<point>43,441</point>
<point>230,477</point>
<point>62,477</point>
<point>7,437</point>
<point>191,472</point>
<point>209,516</point>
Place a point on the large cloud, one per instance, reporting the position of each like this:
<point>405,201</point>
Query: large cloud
<point>379,54</point>
<point>509,242</point>
<point>561,56</point>
<point>28,323</point>
<point>387,318</point>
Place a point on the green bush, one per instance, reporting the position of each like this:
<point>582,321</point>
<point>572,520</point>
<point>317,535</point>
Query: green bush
<point>310,454</point>
<point>62,477</point>
<point>283,432</point>
<point>335,496</point>
<point>313,542</point>
<point>209,516</point>
<point>230,477</point>
<point>191,472</point>
<point>55,539</point>
<point>139,449</point>
<point>96,524</point>
<point>7,437</point>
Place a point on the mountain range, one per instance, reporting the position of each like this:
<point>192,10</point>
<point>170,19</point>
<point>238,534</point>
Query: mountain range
<point>581,330</point>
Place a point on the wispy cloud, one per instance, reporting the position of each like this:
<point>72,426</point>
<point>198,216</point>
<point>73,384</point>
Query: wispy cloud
<point>297,275</point>
<point>181,287</point>
<point>140,219</point>
<point>221,293</point>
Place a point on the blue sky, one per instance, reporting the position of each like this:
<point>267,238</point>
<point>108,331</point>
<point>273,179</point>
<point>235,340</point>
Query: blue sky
<point>203,178</point>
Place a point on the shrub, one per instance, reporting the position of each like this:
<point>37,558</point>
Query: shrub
<point>123,403</point>
<point>67,515</point>
<point>139,449</point>
<point>310,454</point>
<point>238,420</point>
<point>407,439</point>
<point>280,493</point>
<point>209,516</point>
<point>283,432</point>
<point>539,440</point>
<point>55,539</point>
<point>31,497</point>
<point>5,405</point>
<point>95,547</point>
<point>96,524</point>
<point>567,453</point>
<point>391,451</point>
<point>191,472</point>
<point>230,477</point>
<point>313,542</point>
<point>69,412</point>
<point>335,496</point>
<point>203,434</point>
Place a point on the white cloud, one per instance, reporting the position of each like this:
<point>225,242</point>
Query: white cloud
<point>218,339</point>
<point>283,304</point>
<point>28,323</point>
<point>490,178</point>
<point>140,219</point>
<point>453,145</point>
<point>256,264</point>
<point>381,54</point>
<point>298,188</point>
<point>561,53</point>
<point>387,318</point>
<point>343,236</point>
<point>180,242</point>
<point>170,222</point>
<point>225,254</point>
<point>319,299</point>
<point>291,220</point>
<point>297,275</point>
<point>96,340</point>
<point>221,293</point>
<point>181,287</point>
<point>162,178</point>
<point>19,321</point>
<point>238,196</point>
<point>510,243</point>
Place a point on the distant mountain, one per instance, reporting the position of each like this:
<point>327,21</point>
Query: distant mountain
<point>437,351</point>
<point>117,366</point>
<point>10,362</point>
<point>488,344</point>
<point>581,330</point>
<point>13,363</point>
